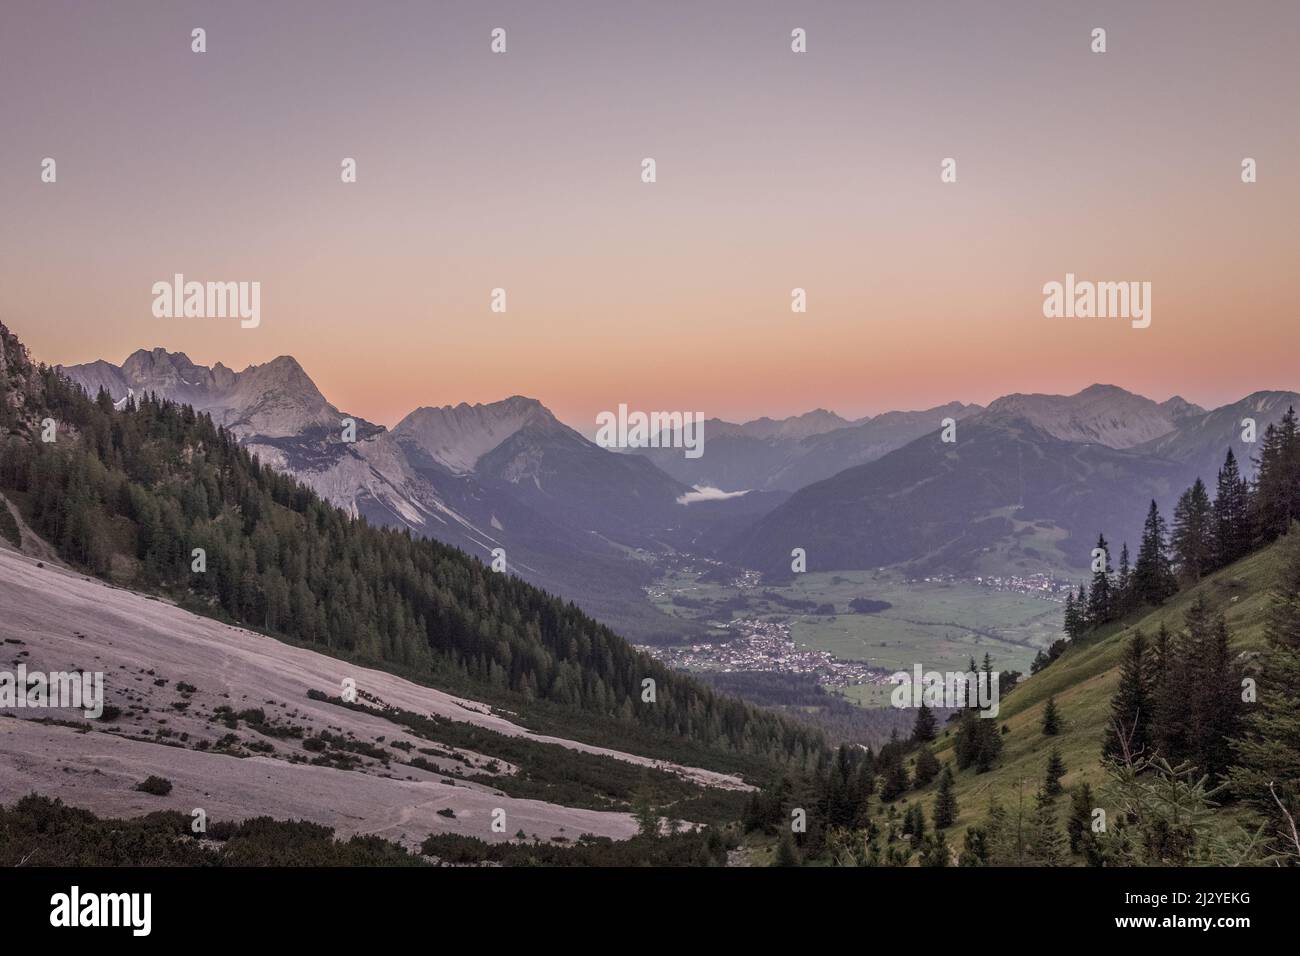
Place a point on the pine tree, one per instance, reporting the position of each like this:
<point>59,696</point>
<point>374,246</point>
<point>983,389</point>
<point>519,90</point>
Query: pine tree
<point>894,782</point>
<point>1232,531</point>
<point>914,823</point>
<point>945,801</point>
<point>1277,482</point>
<point>1153,580</point>
<point>1051,718</point>
<point>927,767</point>
<point>1123,599</point>
<point>1100,610</point>
<point>1130,708</point>
<point>786,853</point>
<point>1267,770</point>
<point>1073,626</point>
<point>1078,826</point>
<point>936,852</point>
<point>1055,771</point>
<point>643,809</point>
<point>1217,701</point>
<point>1193,537</point>
<point>978,743</point>
<point>975,847</point>
<point>925,728</point>
<point>1172,734</point>
<point>1049,846</point>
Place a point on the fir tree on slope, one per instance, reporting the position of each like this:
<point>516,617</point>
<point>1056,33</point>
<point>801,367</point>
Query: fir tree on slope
<point>1277,480</point>
<point>1078,826</point>
<point>1124,584</point>
<point>1232,521</point>
<point>1128,730</point>
<point>1051,719</point>
<point>1073,622</point>
<point>1100,609</point>
<point>1153,579</point>
<point>945,801</point>
<point>1267,770</point>
<point>1198,694</point>
<point>1049,844</point>
<point>925,728</point>
<point>1055,771</point>
<point>1193,536</point>
<point>927,767</point>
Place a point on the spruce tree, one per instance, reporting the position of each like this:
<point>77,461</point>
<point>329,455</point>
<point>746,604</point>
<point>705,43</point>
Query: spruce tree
<point>1277,481</point>
<point>1073,630</point>
<point>1055,771</point>
<point>1130,708</point>
<point>927,767</point>
<point>1218,699</point>
<point>1123,598</point>
<point>1048,843</point>
<point>786,853</point>
<point>945,801</point>
<point>1100,609</point>
<point>1193,536</point>
<point>925,728</point>
<point>975,847</point>
<point>936,851</point>
<point>1267,770</point>
<point>1153,580</point>
<point>1232,531</point>
<point>643,809</point>
<point>1078,826</point>
<point>1174,691</point>
<point>1051,718</point>
<point>894,782</point>
<point>914,823</point>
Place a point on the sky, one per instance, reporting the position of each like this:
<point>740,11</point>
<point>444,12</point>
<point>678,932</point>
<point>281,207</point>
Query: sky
<point>775,170</point>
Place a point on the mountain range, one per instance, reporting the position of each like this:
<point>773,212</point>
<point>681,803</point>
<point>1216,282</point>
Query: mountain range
<point>786,455</point>
<point>1028,484</point>
<point>504,475</point>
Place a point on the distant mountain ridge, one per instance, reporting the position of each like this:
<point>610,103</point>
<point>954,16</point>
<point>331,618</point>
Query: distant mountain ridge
<point>1104,414</point>
<point>504,475</point>
<point>1031,479</point>
<point>276,399</point>
<point>787,454</point>
<point>457,436</point>
<point>1027,485</point>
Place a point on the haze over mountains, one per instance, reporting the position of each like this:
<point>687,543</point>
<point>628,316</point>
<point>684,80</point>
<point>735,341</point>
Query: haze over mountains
<point>1028,484</point>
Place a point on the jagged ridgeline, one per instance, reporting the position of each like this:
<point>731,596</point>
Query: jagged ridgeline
<point>128,493</point>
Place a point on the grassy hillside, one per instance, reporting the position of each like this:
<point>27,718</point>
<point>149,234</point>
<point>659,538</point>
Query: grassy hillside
<point>1083,680</point>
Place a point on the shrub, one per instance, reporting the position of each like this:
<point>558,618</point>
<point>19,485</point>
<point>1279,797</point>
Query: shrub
<point>158,786</point>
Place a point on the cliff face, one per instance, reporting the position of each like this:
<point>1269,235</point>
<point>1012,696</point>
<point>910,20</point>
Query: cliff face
<point>18,381</point>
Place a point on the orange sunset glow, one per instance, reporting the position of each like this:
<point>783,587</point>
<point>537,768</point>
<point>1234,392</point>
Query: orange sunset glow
<point>523,172</point>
